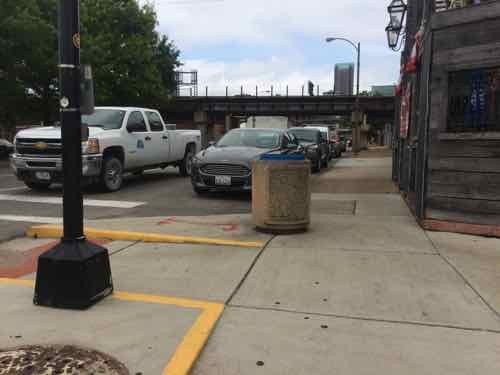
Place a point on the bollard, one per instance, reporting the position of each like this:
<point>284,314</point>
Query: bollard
<point>281,193</point>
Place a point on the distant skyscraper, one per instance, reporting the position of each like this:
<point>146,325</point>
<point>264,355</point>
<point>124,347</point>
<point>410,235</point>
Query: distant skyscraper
<point>344,79</point>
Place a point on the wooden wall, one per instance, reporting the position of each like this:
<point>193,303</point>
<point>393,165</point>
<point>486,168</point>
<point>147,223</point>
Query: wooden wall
<point>463,180</point>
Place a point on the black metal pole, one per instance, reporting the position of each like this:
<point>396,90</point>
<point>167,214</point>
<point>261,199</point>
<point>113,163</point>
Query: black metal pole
<point>357,136</point>
<point>75,273</point>
<point>357,69</point>
<point>71,122</point>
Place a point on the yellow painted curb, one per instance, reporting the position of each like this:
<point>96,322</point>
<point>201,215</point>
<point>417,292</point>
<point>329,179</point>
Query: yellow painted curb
<point>192,343</point>
<point>56,231</point>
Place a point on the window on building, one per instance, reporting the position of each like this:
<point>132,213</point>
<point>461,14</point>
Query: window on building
<point>474,100</point>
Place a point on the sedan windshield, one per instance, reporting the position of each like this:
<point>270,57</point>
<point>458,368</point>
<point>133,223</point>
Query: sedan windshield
<point>105,118</point>
<point>250,138</point>
<point>305,135</point>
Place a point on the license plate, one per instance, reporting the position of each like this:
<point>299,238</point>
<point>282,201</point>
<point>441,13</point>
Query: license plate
<point>223,180</point>
<point>42,176</point>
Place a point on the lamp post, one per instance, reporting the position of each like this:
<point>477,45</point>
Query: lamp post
<point>397,12</point>
<point>356,135</point>
<point>75,273</point>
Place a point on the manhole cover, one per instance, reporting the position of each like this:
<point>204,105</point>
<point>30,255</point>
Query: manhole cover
<point>58,359</point>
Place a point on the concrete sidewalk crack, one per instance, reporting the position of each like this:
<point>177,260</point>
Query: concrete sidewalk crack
<point>247,273</point>
<point>381,252</point>
<point>125,248</point>
<point>366,319</point>
<point>462,276</point>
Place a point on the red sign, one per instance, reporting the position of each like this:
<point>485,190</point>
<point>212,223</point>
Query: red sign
<point>405,112</point>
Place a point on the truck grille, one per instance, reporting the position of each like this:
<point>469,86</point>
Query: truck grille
<point>234,170</point>
<point>39,147</point>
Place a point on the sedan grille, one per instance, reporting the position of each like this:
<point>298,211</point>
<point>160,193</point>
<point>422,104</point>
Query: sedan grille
<point>39,147</point>
<point>226,170</point>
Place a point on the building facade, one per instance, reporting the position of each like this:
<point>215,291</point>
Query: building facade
<point>385,90</point>
<point>344,79</point>
<point>447,133</point>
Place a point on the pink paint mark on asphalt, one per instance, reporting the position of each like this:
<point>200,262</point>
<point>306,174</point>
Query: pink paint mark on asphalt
<point>226,227</point>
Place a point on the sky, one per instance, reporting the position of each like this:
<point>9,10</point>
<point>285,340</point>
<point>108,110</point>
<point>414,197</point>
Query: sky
<point>277,43</point>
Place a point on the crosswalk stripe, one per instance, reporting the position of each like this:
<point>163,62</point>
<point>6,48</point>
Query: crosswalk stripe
<point>14,188</point>
<point>32,219</point>
<point>58,200</point>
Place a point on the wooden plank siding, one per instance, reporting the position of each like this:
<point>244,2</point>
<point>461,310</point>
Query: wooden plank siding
<point>463,181</point>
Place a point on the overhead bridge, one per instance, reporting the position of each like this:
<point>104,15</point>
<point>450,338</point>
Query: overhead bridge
<point>221,113</point>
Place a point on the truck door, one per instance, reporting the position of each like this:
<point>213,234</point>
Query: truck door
<point>136,136</point>
<point>160,142</point>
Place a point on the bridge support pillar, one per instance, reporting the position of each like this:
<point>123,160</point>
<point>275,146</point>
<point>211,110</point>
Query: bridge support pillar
<point>201,121</point>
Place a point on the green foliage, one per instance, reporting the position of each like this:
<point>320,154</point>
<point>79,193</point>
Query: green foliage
<point>27,60</point>
<point>132,63</point>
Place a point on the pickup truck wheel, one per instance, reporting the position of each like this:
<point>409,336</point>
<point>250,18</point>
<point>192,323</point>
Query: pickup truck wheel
<point>186,165</point>
<point>112,174</point>
<point>39,186</point>
<point>316,167</point>
<point>325,162</point>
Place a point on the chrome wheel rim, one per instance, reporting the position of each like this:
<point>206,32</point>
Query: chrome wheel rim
<point>113,175</point>
<point>189,164</point>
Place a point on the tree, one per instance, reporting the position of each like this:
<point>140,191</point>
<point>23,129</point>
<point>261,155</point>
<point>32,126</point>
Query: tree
<point>132,63</point>
<point>27,61</point>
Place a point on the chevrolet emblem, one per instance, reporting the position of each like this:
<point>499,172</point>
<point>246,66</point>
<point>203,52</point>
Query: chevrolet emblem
<point>41,146</point>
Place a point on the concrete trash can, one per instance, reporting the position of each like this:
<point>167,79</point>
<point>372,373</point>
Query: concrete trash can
<point>281,193</point>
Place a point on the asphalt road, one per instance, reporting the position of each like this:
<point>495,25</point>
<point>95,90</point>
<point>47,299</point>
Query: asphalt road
<point>159,193</point>
<point>156,193</point>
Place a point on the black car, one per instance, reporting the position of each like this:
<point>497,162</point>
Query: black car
<point>316,146</point>
<point>226,165</point>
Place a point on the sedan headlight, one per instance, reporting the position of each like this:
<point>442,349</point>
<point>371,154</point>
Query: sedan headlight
<point>91,146</point>
<point>196,160</point>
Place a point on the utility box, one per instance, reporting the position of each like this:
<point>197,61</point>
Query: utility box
<point>281,193</point>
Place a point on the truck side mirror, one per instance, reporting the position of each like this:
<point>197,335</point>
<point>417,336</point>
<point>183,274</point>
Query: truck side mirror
<point>87,100</point>
<point>85,132</point>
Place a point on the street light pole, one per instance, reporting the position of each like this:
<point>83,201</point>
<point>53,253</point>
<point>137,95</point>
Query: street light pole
<point>74,273</point>
<point>356,146</point>
<point>357,121</point>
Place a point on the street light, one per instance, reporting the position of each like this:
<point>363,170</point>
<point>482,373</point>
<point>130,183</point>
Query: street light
<point>392,36</point>
<point>358,51</point>
<point>357,47</point>
<point>397,11</point>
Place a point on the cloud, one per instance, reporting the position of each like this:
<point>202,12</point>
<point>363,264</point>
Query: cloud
<point>276,42</point>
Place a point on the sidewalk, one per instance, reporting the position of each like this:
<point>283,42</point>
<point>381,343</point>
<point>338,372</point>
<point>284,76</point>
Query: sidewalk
<point>365,291</point>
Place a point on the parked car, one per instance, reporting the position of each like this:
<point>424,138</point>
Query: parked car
<point>6,148</point>
<point>226,165</point>
<point>121,139</point>
<point>334,145</point>
<point>316,146</point>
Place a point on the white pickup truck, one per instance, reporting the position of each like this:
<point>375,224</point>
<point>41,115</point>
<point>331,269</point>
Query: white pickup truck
<point>121,139</point>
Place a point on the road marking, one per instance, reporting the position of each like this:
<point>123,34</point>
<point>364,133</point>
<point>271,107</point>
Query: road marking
<point>58,200</point>
<point>32,219</point>
<point>14,188</point>
<point>53,231</point>
<point>192,343</point>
